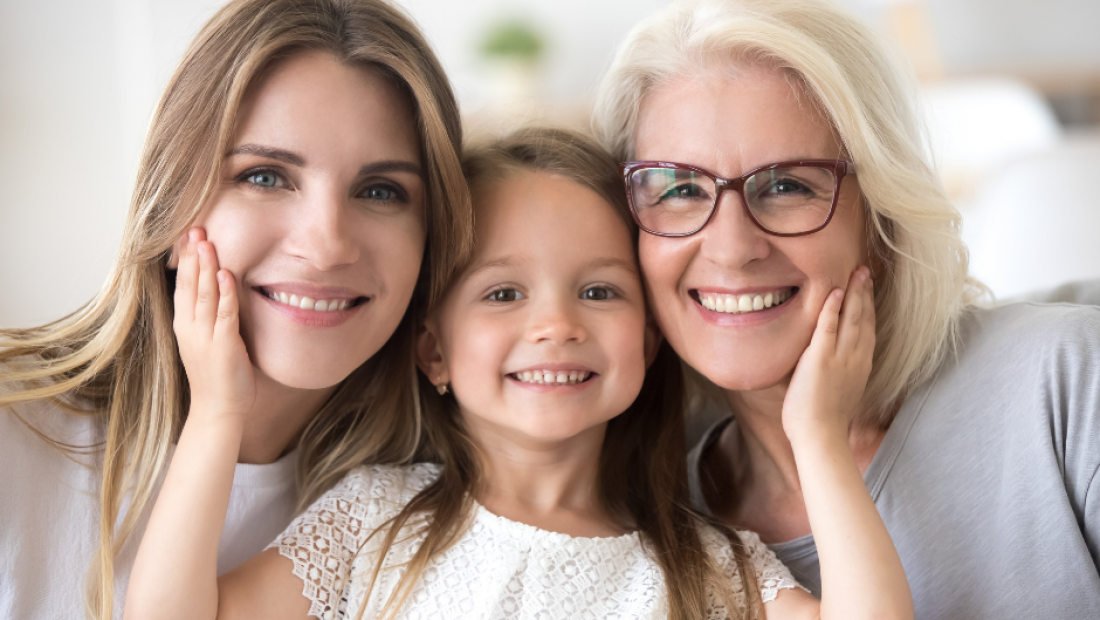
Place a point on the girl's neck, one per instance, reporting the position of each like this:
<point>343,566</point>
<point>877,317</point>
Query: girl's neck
<point>549,485</point>
<point>277,419</point>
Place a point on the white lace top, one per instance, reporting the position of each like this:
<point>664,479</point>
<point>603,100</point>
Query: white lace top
<point>498,569</point>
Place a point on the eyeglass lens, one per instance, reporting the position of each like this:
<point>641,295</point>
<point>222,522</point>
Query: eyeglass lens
<point>789,200</point>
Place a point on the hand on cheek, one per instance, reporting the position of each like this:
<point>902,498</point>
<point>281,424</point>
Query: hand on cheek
<point>207,328</point>
<point>830,377</point>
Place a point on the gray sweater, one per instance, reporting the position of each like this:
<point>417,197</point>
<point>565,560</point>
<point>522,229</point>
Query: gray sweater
<point>988,477</point>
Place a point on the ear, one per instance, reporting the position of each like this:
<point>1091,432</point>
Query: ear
<point>429,355</point>
<point>653,340</point>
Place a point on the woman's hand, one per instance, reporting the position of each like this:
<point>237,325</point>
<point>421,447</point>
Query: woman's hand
<point>207,329</point>
<point>829,379</point>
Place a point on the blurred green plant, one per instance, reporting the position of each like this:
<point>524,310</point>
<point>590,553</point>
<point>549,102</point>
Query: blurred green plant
<point>513,39</point>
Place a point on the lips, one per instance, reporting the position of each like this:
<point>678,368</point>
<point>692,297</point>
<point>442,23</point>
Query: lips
<point>552,376</point>
<point>744,303</point>
<point>321,300</point>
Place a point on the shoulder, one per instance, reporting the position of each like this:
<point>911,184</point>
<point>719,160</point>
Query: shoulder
<point>396,484</point>
<point>770,573</point>
<point>365,498</point>
<point>1032,324</point>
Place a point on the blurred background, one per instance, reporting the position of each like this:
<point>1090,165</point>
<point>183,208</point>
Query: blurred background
<point>1011,96</point>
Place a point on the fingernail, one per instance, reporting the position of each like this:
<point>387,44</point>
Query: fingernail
<point>222,278</point>
<point>193,235</point>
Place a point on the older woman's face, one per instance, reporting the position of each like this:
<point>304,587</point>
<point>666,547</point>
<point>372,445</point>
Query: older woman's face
<point>730,125</point>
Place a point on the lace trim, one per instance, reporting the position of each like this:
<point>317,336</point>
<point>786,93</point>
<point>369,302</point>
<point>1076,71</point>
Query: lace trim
<point>499,569</point>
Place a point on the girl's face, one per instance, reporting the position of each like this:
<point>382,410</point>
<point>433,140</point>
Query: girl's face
<point>320,217</point>
<point>543,336</point>
<point>731,125</point>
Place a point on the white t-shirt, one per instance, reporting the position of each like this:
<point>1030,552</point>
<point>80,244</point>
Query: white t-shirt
<point>499,569</point>
<point>49,514</point>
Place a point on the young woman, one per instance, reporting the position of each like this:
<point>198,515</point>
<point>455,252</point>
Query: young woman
<point>316,142</point>
<point>559,487</point>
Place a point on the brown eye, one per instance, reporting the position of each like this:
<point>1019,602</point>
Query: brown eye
<point>504,295</point>
<point>597,293</point>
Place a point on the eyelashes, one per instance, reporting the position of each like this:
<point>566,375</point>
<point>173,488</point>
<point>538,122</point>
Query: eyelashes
<point>270,179</point>
<point>594,292</point>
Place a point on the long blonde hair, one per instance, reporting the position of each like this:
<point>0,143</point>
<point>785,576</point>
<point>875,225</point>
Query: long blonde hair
<point>115,359</point>
<point>869,99</point>
<point>642,478</point>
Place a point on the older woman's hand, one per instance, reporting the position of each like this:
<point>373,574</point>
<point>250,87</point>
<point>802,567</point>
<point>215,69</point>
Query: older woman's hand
<point>830,377</point>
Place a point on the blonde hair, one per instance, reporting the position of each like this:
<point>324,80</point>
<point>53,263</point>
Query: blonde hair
<point>115,359</point>
<point>837,61</point>
<point>642,479</point>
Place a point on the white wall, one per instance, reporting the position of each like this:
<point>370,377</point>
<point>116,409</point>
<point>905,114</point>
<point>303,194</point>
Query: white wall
<point>79,78</point>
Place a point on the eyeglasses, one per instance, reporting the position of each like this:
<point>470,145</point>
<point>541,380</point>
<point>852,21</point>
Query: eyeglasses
<point>787,199</point>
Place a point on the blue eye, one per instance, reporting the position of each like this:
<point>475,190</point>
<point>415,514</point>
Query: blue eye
<point>503,295</point>
<point>263,179</point>
<point>598,293</point>
<point>383,193</point>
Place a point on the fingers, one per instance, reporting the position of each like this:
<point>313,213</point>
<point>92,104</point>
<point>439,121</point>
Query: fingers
<point>856,305</point>
<point>228,306</point>
<point>828,323</point>
<point>187,272</point>
<point>207,295</point>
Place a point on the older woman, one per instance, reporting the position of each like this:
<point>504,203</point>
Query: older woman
<point>772,149</point>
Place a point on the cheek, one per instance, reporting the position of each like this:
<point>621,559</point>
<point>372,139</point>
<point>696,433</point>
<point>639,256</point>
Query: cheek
<point>241,235</point>
<point>663,262</point>
<point>396,249</point>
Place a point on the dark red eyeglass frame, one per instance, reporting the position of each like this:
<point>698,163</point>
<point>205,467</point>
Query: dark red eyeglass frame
<point>839,167</point>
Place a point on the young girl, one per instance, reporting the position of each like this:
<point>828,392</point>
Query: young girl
<point>557,483</point>
<point>355,209</point>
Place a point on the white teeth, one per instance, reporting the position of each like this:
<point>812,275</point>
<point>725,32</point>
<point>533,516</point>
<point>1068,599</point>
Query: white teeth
<point>559,377</point>
<point>308,303</point>
<point>739,304</point>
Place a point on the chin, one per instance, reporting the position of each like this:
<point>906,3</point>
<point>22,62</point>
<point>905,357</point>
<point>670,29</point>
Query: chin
<point>304,374</point>
<point>747,377</point>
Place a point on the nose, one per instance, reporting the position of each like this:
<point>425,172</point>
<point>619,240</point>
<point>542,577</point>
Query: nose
<point>730,238</point>
<point>556,321</point>
<point>321,233</point>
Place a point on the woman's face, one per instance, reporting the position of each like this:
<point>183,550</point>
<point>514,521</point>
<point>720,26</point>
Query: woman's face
<point>320,217</point>
<point>729,125</point>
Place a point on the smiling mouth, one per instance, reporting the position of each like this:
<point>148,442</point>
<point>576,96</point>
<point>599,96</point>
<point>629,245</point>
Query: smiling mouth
<point>744,304</point>
<point>308,303</point>
<point>553,377</point>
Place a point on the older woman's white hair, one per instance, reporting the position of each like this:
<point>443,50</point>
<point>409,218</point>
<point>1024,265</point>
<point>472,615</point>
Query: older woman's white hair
<point>841,66</point>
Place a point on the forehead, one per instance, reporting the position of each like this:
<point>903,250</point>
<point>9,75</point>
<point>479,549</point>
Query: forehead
<point>546,219</point>
<point>732,118</point>
<point>310,101</point>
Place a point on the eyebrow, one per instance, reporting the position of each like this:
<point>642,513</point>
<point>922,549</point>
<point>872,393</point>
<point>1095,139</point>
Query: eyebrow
<point>271,153</point>
<point>506,261</point>
<point>379,167</point>
<point>396,165</point>
<point>626,265</point>
<point>599,263</point>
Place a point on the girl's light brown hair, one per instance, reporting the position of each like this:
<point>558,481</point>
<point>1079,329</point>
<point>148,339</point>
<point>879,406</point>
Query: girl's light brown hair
<point>115,359</point>
<point>642,480</point>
